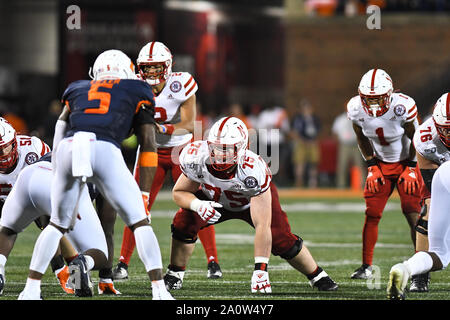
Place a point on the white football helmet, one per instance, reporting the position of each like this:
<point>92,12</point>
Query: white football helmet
<point>8,146</point>
<point>441,118</point>
<point>375,90</point>
<point>227,142</point>
<point>112,64</point>
<point>154,63</point>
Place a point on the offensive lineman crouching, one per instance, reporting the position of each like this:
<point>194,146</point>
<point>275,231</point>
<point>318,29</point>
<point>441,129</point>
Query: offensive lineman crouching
<point>235,184</point>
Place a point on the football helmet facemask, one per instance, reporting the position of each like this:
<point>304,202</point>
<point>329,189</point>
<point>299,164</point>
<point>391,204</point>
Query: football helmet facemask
<point>8,146</point>
<point>154,63</point>
<point>441,118</point>
<point>227,142</point>
<point>375,90</point>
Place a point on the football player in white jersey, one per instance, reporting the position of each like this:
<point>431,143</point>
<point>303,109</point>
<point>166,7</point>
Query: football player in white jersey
<point>30,199</point>
<point>384,123</point>
<point>175,113</point>
<point>432,143</point>
<point>235,183</point>
<point>16,153</point>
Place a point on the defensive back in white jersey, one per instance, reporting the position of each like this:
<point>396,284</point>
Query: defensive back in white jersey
<point>179,87</point>
<point>30,149</point>
<point>251,178</point>
<point>429,145</point>
<point>386,132</point>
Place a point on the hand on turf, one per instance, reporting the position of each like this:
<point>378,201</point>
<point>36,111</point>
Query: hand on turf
<point>409,179</point>
<point>374,177</point>
<point>260,282</point>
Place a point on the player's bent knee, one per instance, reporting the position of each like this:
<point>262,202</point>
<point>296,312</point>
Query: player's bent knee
<point>294,250</point>
<point>183,237</point>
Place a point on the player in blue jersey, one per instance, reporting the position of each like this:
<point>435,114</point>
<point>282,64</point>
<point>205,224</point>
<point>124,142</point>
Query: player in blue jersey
<point>98,115</point>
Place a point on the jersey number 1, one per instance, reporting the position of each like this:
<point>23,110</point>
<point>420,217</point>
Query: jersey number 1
<point>380,134</point>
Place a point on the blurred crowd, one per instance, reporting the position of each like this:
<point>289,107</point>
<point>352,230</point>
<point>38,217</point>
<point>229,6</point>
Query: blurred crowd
<point>358,7</point>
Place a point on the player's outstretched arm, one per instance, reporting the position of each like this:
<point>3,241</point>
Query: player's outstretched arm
<point>261,214</point>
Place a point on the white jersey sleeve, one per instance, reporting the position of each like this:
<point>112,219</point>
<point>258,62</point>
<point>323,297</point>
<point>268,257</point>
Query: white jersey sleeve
<point>428,144</point>
<point>255,174</point>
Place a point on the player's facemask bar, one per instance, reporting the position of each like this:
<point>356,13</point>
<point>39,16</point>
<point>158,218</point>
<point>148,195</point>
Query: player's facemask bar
<point>444,134</point>
<point>8,155</point>
<point>222,156</point>
<point>375,106</point>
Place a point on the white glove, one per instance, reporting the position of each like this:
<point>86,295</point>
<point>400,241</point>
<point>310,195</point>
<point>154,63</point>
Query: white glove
<point>206,210</point>
<point>260,282</point>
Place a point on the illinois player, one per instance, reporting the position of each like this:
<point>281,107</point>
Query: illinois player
<point>384,123</point>
<point>29,200</point>
<point>235,184</point>
<point>16,153</point>
<point>432,143</point>
<point>175,109</point>
<point>432,148</point>
<point>98,115</point>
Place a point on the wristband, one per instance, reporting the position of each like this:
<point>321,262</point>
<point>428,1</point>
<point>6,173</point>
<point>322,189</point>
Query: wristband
<point>195,204</point>
<point>411,163</point>
<point>167,129</point>
<point>148,159</point>
<point>262,260</point>
<point>261,266</point>
<point>372,162</point>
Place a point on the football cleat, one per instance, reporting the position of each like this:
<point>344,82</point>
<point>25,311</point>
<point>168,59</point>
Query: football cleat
<point>363,272</point>
<point>79,277</point>
<point>174,279</point>
<point>398,278</point>
<point>25,295</point>
<point>63,279</point>
<point>106,286</point>
<point>120,272</point>
<point>214,271</point>
<point>323,282</point>
<point>2,283</point>
<point>159,292</point>
<point>420,282</point>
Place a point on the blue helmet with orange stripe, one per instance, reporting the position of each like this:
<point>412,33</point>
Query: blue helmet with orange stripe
<point>375,90</point>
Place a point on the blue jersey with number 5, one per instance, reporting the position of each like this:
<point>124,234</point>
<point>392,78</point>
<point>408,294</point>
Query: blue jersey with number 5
<point>108,108</point>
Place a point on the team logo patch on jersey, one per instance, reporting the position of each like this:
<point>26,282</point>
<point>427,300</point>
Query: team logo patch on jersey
<point>250,182</point>
<point>399,110</point>
<point>175,86</point>
<point>31,157</point>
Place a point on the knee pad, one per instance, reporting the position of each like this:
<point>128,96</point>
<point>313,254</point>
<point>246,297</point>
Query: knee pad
<point>422,226</point>
<point>294,250</point>
<point>180,236</point>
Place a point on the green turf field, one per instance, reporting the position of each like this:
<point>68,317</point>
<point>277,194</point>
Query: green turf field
<point>330,228</point>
